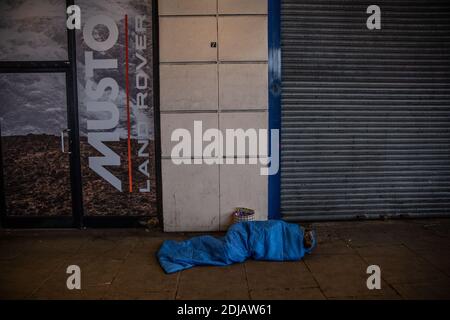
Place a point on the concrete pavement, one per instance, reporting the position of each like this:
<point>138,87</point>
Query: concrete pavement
<point>413,255</point>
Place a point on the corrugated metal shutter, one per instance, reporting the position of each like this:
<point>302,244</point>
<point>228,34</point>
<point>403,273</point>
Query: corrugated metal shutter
<point>365,113</point>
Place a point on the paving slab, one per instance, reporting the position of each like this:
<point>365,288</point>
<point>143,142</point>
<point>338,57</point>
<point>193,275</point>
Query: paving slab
<point>434,290</point>
<point>209,282</point>
<point>438,258</point>
<point>21,276</point>
<point>138,295</point>
<point>400,265</point>
<point>333,247</point>
<point>57,292</point>
<point>288,294</point>
<point>343,276</point>
<point>113,247</point>
<point>121,264</point>
<point>264,275</point>
<point>140,274</point>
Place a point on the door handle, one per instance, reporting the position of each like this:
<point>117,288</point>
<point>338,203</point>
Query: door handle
<point>63,148</point>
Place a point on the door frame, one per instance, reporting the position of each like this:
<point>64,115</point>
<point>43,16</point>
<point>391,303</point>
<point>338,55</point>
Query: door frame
<point>274,37</point>
<point>69,68</point>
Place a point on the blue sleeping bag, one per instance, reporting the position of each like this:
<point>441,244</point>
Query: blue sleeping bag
<point>274,240</point>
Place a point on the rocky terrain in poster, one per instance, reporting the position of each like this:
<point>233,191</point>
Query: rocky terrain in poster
<point>37,182</point>
<point>36,176</point>
<point>101,198</point>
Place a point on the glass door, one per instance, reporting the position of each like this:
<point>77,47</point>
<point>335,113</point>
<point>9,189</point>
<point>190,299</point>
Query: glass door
<point>35,146</point>
<point>38,116</point>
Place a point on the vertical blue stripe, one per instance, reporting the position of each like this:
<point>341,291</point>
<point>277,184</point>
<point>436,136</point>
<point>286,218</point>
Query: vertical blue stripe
<point>274,97</point>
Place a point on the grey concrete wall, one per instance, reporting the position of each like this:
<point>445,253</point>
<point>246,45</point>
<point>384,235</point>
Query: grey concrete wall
<point>225,87</point>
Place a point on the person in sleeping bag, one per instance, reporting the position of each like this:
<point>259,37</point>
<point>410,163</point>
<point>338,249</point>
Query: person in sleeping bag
<point>272,240</point>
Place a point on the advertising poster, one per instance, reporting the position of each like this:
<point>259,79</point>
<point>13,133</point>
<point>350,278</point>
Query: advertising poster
<point>114,60</point>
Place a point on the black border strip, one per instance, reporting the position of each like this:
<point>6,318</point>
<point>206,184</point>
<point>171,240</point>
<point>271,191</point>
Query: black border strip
<point>72,109</point>
<point>34,66</point>
<point>156,111</point>
<point>33,222</point>
<point>113,221</point>
<point>26,222</point>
